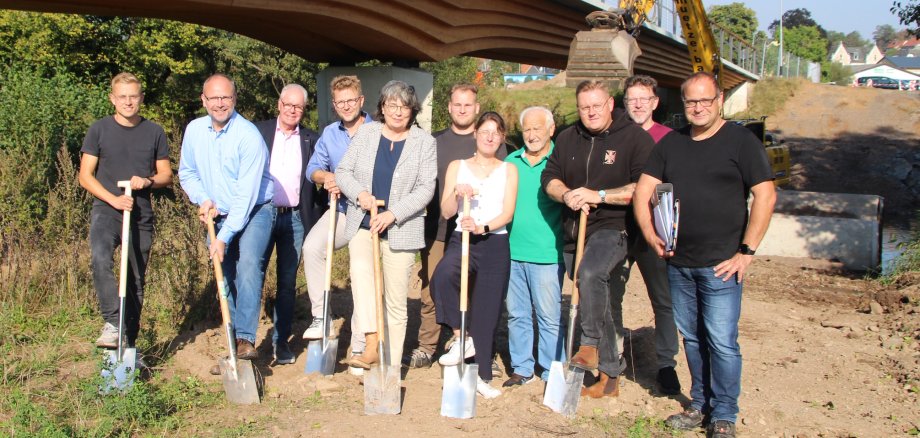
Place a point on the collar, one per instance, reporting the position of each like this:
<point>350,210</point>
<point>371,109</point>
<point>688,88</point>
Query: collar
<point>227,126</point>
<point>278,128</point>
<point>367,118</point>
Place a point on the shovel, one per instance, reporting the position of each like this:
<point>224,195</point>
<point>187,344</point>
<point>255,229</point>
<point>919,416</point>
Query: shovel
<point>118,370</point>
<point>563,390</point>
<point>458,399</point>
<point>321,353</point>
<point>382,386</point>
<point>238,375</point>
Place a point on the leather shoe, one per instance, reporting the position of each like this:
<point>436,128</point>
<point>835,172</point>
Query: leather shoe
<point>605,387</point>
<point>586,358</point>
<point>245,350</point>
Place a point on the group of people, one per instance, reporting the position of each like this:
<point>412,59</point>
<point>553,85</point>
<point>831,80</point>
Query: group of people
<point>260,184</point>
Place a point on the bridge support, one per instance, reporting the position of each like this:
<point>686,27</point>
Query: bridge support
<point>372,80</point>
<point>736,99</point>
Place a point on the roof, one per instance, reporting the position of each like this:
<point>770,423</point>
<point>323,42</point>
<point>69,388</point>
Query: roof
<point>907,62</point>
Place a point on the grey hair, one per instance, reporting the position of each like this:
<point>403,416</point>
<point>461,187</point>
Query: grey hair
<point>546,111</point>
<point>219,75</point>
<point>298,87</point>
<point>401,91</point>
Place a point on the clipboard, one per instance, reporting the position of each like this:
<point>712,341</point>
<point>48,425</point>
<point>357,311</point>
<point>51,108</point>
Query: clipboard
<point>666,215</point>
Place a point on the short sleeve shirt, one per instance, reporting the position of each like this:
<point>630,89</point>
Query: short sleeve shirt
<point>123,152</point>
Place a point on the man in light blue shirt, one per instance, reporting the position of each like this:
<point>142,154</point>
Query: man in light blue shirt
<point>224,170</point>
<point>347,101</point>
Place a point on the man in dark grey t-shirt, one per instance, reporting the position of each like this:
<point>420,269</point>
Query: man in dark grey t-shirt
<point>122,147</point>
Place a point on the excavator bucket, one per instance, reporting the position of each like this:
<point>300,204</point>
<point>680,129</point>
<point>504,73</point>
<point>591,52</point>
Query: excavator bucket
<point>606,52</point>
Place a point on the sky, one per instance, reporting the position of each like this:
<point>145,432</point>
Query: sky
<point>839,15</point>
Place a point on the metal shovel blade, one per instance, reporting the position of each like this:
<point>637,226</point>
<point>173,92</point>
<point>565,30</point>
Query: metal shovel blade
<point>458,397</point>
<point>321,360</point>
<point>382,390</point>
<point>118,373</point>
<point>241,386</point>
<point>563,390</point>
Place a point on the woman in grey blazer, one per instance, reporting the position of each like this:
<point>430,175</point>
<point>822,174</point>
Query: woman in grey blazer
<point>393,160</point>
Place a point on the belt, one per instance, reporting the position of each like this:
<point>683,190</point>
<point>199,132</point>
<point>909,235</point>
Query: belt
<point>285,209</point>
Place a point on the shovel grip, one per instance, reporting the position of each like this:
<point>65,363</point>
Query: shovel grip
<point>378,275</point>
<point>579,252</point>
<point>330,238</point>
<point>465,259</point>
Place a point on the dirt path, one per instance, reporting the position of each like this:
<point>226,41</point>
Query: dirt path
<point>825,354</point>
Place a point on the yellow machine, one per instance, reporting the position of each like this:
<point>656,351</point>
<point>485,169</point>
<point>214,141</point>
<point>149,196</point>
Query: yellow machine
<point>609,50</point>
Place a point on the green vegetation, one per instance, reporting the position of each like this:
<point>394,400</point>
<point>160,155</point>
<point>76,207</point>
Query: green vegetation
<point>769,97</point>
<point>907,266</point>
<point>615,425</point>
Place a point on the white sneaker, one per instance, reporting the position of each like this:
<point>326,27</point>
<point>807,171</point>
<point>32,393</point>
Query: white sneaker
<point>315,331</point>
<point>108,337</point>
<point>356,371</point>
<point>485,389</point>
<point>452,356</point>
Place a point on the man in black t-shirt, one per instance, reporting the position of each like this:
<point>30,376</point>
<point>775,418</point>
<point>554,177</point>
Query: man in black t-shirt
<point>123,147</point>
<point>713,166</point>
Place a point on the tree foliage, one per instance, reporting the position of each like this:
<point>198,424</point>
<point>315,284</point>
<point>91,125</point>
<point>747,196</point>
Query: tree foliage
<point>884,35</point>
<point>796,18</point>
<point>806,42</point>
<point>909,14</point>
<point>735,17</point>
<point>447,73</point>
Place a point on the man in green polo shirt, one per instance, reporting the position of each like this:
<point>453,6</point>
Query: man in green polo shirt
<point>535,236</point>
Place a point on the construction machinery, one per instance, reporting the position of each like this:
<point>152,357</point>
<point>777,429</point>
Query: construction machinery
<point>608,51</point>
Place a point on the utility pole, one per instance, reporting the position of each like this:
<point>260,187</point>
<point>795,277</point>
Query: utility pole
<point>779,64</point>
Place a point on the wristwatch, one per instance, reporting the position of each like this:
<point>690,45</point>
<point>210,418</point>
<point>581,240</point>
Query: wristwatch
<point>745,249</point>
<point>603,195</point>
<point>485,229</point>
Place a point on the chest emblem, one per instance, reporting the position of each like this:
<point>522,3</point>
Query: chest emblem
<point>610,157</point>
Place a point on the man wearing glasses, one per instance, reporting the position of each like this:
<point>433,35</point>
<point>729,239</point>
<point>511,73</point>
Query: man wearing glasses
<point>289,147</point>
<point>347,101</point>
<point>454,143</point>
<point>714,166</point>
<point>224,170</point>
<point>122,147</point>
<point>641,101</point>
<point>593,169</point>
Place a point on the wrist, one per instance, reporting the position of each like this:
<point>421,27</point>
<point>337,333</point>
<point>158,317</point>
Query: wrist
<point>149,181</point>
<point>744,249</point>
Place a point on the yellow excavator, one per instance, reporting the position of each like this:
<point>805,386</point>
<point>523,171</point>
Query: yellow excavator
<point>609,50</point>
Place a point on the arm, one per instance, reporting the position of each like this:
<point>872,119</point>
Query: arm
<point>189,177</point>
<point>318,169</point>
<point>418,198</point>
<point>617,196</point>
<point>449,205</point>
<point>761,212</point>
<point>164,175</point>
<point>88,181</point>
<point>643,212</point>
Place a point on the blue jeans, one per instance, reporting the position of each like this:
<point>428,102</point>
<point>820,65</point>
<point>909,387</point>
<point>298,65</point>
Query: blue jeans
<point>244,273</point>
<point>534,287</point>
<point>287,236</point>
<point>707,310</point>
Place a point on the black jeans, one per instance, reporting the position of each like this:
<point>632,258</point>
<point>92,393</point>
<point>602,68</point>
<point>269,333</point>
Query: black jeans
<point>490,270</point>
<point>605,251</point>
<point>104,238</point>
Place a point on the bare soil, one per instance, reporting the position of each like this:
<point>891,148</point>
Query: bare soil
<point>826,353</point>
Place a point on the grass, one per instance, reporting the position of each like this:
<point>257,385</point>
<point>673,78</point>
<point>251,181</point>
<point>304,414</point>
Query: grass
<point>906,268</point>
<point>769,96</point>
<point>509,103</point>
<point>638,427</point>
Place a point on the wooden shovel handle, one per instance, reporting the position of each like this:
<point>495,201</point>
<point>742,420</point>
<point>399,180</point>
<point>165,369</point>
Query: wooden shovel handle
<point>125,243</point>
<point>330,238</point>
<point>579,252</point>
<point>378,271</point>
<point>465,259</point>
<point>218,273</point>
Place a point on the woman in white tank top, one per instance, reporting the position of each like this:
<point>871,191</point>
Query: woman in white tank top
<point>495,185</point>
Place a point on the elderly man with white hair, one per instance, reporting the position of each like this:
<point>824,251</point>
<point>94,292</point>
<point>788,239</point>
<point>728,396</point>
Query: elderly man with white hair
<point>535,237</point>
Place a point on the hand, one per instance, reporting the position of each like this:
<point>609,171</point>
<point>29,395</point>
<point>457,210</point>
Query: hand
<point>216,250</point>
<point>581,199</point>
<point>655,242</point>
<point>123,203</point>
<point>366,201</point>
<point>206,207</point>
<point>331,186</point>
<point>735,265</point>
<point>382,221</point>
<point>463,190</point>
<point>468,224</point>
<point>138,183</point>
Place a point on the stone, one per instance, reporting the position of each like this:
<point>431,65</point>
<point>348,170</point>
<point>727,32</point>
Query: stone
<point>899,168</point>
<point>875,308</point>
<point>327,387</point>
<point>893,342</point>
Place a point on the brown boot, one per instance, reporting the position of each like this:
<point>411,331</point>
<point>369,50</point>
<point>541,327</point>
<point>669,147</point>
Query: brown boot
<point>370,355</point>
<point>586,358</point>
<point>605,387</point>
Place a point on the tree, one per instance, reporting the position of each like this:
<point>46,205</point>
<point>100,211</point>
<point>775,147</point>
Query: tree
<point>833,39</point>
<point>909,14</point>
<point>795,18</point>
<point>855,39</point>
<point>806,42</point>
<point>447,73</point>
<point>884,34</point>
<point>735,17</point>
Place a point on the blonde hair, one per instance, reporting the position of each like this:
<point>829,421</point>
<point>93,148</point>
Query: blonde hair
<point>345,82</point>
<point>126,78</point>
<point>591,85</point>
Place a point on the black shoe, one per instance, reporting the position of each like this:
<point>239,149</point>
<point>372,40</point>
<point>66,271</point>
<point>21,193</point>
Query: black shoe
<point>688,419</point>
<point>667,381</point>
<point>283,354</point>
<point>722,429</point>
<point>517,380</point>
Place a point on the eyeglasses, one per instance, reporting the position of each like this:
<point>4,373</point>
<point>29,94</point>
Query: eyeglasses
<point>340,104</point>
<point>705,103</point>
<point>393,108</point>
<point>289,106</point>
<point>595,108</point>
<point>218,99</point>
<point>126,98</point>
<point>488,135</point>
<point>640,100</point>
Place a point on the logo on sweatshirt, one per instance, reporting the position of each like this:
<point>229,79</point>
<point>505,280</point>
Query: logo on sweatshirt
<point>610,157</point>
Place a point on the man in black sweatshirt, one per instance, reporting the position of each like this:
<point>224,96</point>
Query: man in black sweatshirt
<point>594,168</point>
